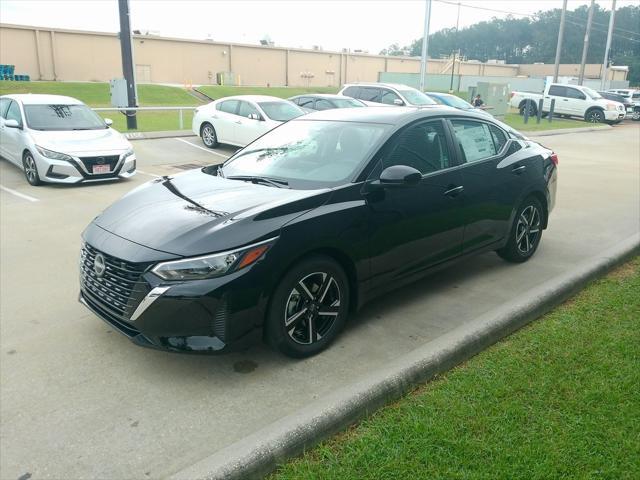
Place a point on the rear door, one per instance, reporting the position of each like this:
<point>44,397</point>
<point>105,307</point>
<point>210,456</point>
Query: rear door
<point>224,120</point>
<point>559,93</point>
<point>370,95</point>
<point>493,180</point>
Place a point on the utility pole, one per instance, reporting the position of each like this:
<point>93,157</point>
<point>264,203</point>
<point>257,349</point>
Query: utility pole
<point>425,43</point>
<point>556,69</point>
<point>127,62</point>
<point>585,48</point>
<point>453,66</point>
<point>605,69</point>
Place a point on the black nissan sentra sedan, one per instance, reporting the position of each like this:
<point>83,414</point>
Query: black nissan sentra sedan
<point>307,223</point>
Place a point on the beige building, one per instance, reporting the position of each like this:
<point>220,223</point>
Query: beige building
<point>71,55</point>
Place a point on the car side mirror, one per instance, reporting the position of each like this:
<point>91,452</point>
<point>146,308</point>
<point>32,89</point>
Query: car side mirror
<point>12,124</point>
<point>397,101</point>
<point>108,122</point>
<point>254,116</point>
<point>400,176</point>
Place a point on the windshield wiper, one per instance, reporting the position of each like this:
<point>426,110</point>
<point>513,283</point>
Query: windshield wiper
<point>264,180</point>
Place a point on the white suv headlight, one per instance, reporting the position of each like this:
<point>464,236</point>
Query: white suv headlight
<point>53,155</point>
<point>128,153</point>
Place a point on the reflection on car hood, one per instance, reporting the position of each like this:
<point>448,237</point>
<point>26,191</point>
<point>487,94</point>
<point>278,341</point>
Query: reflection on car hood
<point>195,213</point>
<point>79,141</point>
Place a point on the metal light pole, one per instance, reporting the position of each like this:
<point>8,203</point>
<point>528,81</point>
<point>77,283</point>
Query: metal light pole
<point>585,48</point>
<point>605,69</point>
<point>453,66</point>
<point>127,62</point>
<point>425,43</point>
<point>556,68</point>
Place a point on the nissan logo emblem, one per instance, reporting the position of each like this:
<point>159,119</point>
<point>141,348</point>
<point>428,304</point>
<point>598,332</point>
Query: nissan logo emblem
<point>99,265</point>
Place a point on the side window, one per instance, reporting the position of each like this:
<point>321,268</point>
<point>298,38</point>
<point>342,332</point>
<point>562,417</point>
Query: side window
<point>558,91</point>
<point>322,104</point>
<point>388,97</point>
<point>352,92</point>
<point>4,104</point>
<point>573,93</point>
<point>498,136</point>
<point>14,113</point>
<point>370,94</point>
<point>305,102</point>
<point>230,106</point>
<point>247,109</point>
<point>475,140</point>
<point>422,146</point>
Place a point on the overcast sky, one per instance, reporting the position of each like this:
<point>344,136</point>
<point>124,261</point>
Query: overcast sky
<point>333,24</point>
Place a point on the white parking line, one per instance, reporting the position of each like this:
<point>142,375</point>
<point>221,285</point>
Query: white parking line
<point>201,148</point>
<point>18,194</point>
<point>147,173</point>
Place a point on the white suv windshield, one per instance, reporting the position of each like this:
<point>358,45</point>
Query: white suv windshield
<point>592,93</point>
<point>62,117</point>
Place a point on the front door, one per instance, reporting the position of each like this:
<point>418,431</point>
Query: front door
<point>250,125</point>
<point>12,140</point>
<point>413,228</point>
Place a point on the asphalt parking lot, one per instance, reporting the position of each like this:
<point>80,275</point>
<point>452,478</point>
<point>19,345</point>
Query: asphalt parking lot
<point>79,400</point>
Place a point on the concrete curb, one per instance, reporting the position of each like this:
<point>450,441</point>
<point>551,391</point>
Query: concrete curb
<point>562,131</point>
<point>165,134</point>
<point>260,452</point>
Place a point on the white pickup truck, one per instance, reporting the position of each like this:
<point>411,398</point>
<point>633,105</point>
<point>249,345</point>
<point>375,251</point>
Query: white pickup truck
<point>570,100</point>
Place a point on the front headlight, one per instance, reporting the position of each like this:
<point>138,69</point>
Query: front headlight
<point>612,106</point>
<point>128,153</point>
<point>210,266</point>
<point>53,155</point>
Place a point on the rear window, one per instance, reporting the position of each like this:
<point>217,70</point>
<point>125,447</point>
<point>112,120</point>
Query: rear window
<point>351,92</point>
<point>558,91</point>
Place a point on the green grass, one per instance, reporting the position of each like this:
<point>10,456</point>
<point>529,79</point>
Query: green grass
<point>517,121</point>
<point>217,91</point>
<point>558,399</point>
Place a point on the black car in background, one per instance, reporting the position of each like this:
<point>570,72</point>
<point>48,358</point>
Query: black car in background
<point>325,101</point>
<point>308,223</point>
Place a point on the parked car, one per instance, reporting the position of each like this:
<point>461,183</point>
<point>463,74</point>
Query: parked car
<point>324,101</point>
<point>571,101</point>
<point>241,119</point>
<point>456,102</point>
<point>631,100</point>
<point>308,223</point>
<point>374,94</point>
<point>59,139</point>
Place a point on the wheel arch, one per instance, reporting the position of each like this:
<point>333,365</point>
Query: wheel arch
<point>591,109</point>
<point>545,206</point>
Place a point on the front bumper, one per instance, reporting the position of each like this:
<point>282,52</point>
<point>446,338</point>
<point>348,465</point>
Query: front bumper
<point>614,114</point>
<point>203,316</point>
<point>78,169</point>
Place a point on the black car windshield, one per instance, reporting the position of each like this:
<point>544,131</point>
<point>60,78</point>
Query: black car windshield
<point>416,97</point>
<point>62,117</point>
<point>307,154</point>
<point>281,111</point>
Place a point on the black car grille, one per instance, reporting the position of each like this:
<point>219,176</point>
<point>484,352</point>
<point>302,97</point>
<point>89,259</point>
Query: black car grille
<point>119,289</point>
<point>110,160</point>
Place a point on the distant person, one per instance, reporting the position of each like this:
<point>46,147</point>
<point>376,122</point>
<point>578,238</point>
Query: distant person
<point>477,102</point>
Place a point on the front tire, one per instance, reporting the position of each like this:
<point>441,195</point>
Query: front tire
<point>308,308</point>
<point>635,116</point>
<point>31,169</point>
<point>594,116</point>
<point>526,232</point>
<point>208,135</point>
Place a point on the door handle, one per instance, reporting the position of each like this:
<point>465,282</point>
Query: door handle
<point>453,191</point>
<point>518,170</point>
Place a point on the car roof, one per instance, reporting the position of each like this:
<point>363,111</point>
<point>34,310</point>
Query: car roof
<point>397,86</point>
<point>388,115</point>
<point>330,96</point>
<point>439,94</point>
<point>253,98</point>
<point>42,99</point>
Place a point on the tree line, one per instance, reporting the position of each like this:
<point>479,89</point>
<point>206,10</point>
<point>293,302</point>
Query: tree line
<point>530,40</point>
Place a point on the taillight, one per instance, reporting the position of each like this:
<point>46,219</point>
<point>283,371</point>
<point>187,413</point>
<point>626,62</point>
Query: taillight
<point>554,158</point>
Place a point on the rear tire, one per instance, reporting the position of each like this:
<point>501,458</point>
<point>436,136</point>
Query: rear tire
<point>526,232</point>
<point>208,135</point>
<point>31,169</point>
<point>532,109</point>
<point>308,308</point>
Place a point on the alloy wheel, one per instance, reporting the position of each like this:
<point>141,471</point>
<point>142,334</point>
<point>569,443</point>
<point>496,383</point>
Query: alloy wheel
<point>30,169</point>
<point>636,115</point>
<point>528,229</point>
<point>312,308</point>
<point>595,117</point>
<point>208,135</point>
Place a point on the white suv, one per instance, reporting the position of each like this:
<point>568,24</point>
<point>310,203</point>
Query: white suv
<point>375,94</point>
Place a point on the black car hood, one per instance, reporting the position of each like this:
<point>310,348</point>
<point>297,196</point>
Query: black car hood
<point>195,213</point>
